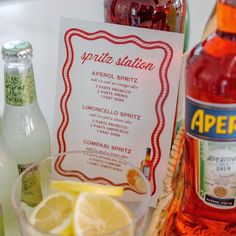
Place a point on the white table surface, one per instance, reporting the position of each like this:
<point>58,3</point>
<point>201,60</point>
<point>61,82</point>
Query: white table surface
<point>38,22</point>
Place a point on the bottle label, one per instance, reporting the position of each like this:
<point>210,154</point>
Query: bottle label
<point>20,88</point>
<point>147,172</point>
<point>213,130</point>
<point>1,221</point>
<point>31,187</point>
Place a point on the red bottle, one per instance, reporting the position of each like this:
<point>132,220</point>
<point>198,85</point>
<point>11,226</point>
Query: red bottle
<point>167,15</point>
<point>209,203</point>
<point>146,165</point>
<point>153,14</point>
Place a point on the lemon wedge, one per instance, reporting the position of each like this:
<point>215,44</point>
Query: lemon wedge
<point>54,214</point>
<point>76,186</point>
<point>98,214</point>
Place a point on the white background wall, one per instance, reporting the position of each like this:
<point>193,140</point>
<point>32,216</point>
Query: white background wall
<point>38,22</point>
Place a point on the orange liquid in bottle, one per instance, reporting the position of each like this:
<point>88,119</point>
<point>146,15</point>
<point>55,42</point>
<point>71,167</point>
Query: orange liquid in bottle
<point>209,207</point>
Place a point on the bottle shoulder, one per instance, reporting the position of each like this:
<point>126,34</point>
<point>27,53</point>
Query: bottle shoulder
<point>216,45</point>
<point>30,110</point>
<point>211,71</point>
<point>25,121</point>
<point>215,52</point>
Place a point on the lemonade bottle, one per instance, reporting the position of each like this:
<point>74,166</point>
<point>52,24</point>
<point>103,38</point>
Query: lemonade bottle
<point>25,129</point>
<point>8,174</point>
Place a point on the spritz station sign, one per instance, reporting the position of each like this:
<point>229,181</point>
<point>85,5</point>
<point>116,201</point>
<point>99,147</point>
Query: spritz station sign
<point>116,94</point>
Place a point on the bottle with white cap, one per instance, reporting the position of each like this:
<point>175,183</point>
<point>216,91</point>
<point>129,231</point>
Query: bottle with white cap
<point>24,127</point>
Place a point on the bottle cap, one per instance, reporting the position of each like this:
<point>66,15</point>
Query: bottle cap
<point>18,50</point>
<point>148,151</point>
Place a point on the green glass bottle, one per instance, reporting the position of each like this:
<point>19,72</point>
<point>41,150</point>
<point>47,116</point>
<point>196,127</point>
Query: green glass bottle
<point>25,129</point>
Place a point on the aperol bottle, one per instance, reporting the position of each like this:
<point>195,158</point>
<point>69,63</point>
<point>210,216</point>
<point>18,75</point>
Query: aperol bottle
<point>209,203</point>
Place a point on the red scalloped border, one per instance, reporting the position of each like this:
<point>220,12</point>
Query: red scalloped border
<point>163,75</point>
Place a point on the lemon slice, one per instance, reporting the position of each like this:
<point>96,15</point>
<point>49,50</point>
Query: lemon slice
<point>76,186</point>
<point>54,214</point>
<point>98,214</point>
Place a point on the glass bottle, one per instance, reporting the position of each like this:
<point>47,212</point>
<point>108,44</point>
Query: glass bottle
<point>186,27</point>
<point>167,15</point>
<point>8,175</point>
<point>146,164</point>
<point>25,129</point>
<point>209,203</point>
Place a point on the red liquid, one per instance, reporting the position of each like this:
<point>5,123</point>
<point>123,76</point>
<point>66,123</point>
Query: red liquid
<point>153,14</point>
<point>210,77</point>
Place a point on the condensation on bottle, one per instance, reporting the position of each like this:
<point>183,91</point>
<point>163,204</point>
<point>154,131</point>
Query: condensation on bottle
<point>24,127</point>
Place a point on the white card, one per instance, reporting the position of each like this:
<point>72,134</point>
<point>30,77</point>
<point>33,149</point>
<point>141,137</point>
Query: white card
<point>117,92</point>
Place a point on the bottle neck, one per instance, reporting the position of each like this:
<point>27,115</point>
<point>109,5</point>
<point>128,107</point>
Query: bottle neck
<point>226,16</point>
<point>147,157</point>
<point>19,84</point>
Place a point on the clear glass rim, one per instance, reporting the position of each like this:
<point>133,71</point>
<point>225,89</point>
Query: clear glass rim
<point>22,218</point>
